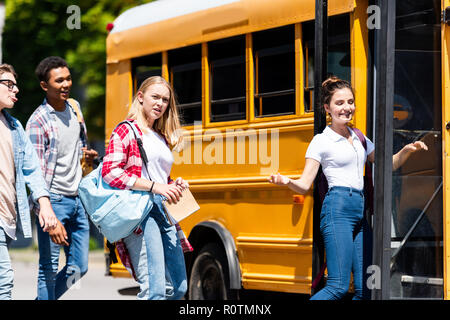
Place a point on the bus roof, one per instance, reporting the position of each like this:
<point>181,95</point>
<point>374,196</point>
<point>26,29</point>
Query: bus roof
<point>168,24</point>
<point>162,10</point>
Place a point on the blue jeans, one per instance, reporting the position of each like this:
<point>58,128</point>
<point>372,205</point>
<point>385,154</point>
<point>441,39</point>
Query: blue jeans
<point>164,256</point>
<point>6,272</point>
<point>51,283</point>
<point>341,225</point>
<point>137,251</point>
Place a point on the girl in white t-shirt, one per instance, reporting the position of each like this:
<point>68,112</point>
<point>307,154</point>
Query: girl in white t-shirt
<point>154,252</point>
<point>342,157</point>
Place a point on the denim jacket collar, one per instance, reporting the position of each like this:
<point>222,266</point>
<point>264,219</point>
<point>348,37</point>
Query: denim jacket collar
<point>9,119</point>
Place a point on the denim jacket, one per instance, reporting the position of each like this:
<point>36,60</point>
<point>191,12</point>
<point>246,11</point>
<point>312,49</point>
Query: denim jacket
<point>28,172</point>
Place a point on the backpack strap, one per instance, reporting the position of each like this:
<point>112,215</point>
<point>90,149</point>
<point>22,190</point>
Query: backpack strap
<point>138,140</point>
<point>361,137</point>
<point>75,107</point>
<point>83,135</point>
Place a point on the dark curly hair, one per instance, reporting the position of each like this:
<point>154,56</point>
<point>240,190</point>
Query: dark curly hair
<point>45,66</point>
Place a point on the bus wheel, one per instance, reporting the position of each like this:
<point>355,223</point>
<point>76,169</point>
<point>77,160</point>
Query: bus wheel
<point>209,275</point>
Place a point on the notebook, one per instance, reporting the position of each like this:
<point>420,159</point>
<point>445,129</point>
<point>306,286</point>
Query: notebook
<point>183,208</point>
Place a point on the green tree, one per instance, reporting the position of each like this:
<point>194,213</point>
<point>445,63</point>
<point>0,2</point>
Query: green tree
<point>37,29</point>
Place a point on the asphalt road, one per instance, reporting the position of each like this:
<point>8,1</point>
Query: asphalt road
<point>93,286</point>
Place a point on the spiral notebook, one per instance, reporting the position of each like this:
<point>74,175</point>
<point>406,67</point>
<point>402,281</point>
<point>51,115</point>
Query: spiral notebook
<point>183,208</point>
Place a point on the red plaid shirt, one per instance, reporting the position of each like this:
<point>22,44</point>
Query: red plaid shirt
<point>122,165</point>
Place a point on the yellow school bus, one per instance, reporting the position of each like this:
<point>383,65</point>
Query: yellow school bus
<point>243,72</point>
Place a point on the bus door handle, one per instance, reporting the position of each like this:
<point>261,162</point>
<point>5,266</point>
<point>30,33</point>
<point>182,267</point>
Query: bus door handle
<point>447,126</point>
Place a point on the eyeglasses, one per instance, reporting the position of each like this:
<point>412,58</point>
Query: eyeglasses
<point>9,83</point>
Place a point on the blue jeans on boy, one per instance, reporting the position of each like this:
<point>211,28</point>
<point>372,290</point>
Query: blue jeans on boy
<point>6,272</point>
<point>51,283</point>
<point>341,225</point>
<point>165,258</point>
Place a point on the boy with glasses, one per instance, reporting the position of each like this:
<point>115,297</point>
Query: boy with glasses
<point>19,167</point>
<point>60,141</point>
<point>9,84</point>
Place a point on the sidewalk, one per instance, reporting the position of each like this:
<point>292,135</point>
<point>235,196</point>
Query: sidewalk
<point>93,286</point>
<point>30,255</point>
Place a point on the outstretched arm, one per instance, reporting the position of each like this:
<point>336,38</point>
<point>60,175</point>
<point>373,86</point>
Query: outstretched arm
<point>400,157</point>
<point>302,184</point>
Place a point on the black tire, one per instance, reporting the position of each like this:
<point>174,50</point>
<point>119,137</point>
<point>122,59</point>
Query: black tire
<point>209,278</point>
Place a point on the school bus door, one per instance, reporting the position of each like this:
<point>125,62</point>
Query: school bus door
<point>418,264</point>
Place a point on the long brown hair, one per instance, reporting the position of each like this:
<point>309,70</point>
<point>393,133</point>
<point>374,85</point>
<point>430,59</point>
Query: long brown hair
<point>169,124</point>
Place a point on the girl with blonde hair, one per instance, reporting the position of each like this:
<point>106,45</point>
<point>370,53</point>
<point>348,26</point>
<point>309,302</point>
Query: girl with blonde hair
<point>169,124</point>
<point>154,252</point>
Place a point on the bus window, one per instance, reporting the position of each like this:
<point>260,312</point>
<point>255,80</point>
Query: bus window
<point>338,53</point>
<point>274,54</point>
<point>144,67</point>
<point>227,74</point>
<point>186,78</point>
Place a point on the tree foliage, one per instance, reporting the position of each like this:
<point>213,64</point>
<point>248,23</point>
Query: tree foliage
<point>35,29</point>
